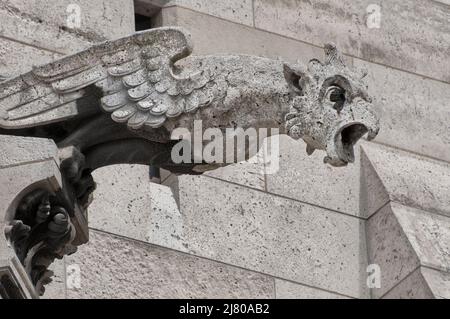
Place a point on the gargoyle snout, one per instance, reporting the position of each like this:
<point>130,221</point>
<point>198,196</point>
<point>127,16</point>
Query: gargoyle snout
<point>359,119</point>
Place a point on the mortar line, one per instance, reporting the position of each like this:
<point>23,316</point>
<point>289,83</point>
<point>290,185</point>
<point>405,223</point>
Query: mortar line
<point>286,197</point>
<point>440,160</point>
<point>32,45</point>
<point>404,278</point>
<point>311,44</point>
<point>30,162</point>
<point>379,209</point>
<point>218,261</point>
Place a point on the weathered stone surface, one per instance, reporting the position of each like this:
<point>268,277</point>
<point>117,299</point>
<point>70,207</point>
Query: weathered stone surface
<point>288,290</point>
<point>390,249</point>
<point>38,34</point>
<point>21,172</point>
<point>216,36</point>
<point>100,20</point>
<point>437,281</point>
<point>410,179</point>
<point>414,110</point>
<point>305,178</point>
<point>121,202</point>
<point>165,222</point>
<point>423,283</point>
<point>113,267</point>
<point>412,36</point>
<point>17,58</point>
<point>17,150</point>
<point>412,287</point>
<point>142,210</point>
<point>269,234</point>
<point>248,173</point>
<point>57,288</point>
<point>428,234</point>
<point>239,11</point>
<point>373,194</point>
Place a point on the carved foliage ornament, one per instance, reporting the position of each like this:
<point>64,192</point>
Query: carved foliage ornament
<point>40,233</point>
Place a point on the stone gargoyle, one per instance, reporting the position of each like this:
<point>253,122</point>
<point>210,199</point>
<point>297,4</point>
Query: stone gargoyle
<point>119,102</point>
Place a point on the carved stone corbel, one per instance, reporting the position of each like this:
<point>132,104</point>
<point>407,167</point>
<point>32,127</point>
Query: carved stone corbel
<point>39,220</point>
<point>40,232</point>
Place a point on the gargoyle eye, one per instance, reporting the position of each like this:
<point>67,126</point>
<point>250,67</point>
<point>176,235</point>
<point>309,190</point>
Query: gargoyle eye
<point>336,95</point>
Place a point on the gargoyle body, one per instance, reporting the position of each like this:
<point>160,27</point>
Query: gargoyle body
<point>119,102</point>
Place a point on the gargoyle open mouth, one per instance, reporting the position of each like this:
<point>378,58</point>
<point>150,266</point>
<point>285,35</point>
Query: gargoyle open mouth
<point>349,136</point>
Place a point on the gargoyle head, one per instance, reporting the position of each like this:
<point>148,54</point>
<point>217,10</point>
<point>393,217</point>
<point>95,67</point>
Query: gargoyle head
<point>331,109</point>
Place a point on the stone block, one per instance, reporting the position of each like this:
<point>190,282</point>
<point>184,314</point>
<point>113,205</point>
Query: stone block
<point>269,234</point>
<point>308,179</point>
<point>22,150</point>
<point>373,194</point>
<point>21,171</point>
<point>410,179</point>
<point>414,110</point>
<point>423,283</point>
<point>238,11</point>
<point>113,267</point>
<point>39,35</point>
<point>17,58</point>
<point>122,199</point>
<point>438,282</point>
<point>99,20</point>
<point>390,249</point>
<point>412,287</point>
<point>289,290</point>
<point>248,173</point>
<point>411,36</point>
<point>165,219</point>
<point>211,35</point>
<point>427,233</point>
<point>57,288</point>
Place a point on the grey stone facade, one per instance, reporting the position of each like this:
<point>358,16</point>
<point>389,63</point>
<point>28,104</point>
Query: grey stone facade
<point>308,231</point>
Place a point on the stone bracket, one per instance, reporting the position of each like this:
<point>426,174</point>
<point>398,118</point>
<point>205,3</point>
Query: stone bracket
<point>38,219</point>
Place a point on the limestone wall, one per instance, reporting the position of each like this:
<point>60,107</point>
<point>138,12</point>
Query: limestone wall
<point>308,231</point>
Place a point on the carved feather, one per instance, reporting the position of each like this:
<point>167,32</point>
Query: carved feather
<point>134,76</point>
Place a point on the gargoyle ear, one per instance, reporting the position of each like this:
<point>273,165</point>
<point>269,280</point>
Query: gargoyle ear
<point>333,56</point>
<point>295,76</point>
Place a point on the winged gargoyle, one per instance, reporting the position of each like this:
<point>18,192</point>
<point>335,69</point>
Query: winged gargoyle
<point>119,101</point>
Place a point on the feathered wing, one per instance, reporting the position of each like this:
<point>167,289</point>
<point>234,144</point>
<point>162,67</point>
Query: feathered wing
<point>134,76</point>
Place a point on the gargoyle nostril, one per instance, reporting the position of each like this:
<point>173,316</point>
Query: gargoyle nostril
<point>337,96</point>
